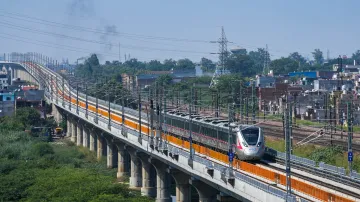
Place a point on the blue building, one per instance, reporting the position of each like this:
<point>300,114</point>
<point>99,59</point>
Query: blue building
<point>6,96</point>
<point>7,103</point>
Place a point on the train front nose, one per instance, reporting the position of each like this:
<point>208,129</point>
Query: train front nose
<point>254,152</point>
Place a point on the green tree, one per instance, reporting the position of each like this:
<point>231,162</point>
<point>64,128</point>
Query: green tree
<point>28,116</point>
<point>258,57</point>
<point>155,65</point>
<point>207,65</point>
<point>134,64</point>
<point>184,64</point>
<point>284,65</point>
<point>240,64</point>
<point>297,57</point>
<point>228,83</point>
<point>318,56</point>
<point>169,64</point>
<point>90,68</point>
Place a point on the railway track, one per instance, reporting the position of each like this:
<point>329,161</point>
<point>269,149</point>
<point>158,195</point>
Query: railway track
<point>316,172</point>
<point>300,134</point>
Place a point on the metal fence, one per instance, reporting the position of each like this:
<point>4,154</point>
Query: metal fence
<point>293,158</point>
<point>333,169</point>
<point>355,175</point>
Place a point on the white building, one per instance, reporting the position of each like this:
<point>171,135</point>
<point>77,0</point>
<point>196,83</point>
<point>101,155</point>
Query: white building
<point>4,78</point>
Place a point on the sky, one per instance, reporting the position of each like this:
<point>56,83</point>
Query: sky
<point>162,29</point>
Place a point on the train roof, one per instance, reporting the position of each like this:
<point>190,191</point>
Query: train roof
<point>207,120</point>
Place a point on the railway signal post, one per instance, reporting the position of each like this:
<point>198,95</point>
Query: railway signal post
<point>287,131</point>
<point>77,98</point>
<point>69,95</point>
<point>230,146</point>
<point>109,112</point>
<point>63,92</point>
<point>139,105</point>
<point>164,143</point>
<point>349,123</point>
<point>86,102</point>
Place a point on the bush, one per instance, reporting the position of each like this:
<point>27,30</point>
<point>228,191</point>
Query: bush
<point>14,184</point>
<point>41,149</point>
<point>327,154</point>
<point>7,166</point>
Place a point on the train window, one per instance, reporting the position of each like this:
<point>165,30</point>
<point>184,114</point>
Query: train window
<point>234,138</point>
<point>250,135</point>
<point>223,136</point>
<point>177,124</point>
<point>215,133</point>
<point>195,128</point>
<point>205,131</point>
<point>186,127</point>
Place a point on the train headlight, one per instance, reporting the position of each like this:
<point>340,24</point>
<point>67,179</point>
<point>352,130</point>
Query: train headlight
<point>244,143</point>
<point>259,144</point>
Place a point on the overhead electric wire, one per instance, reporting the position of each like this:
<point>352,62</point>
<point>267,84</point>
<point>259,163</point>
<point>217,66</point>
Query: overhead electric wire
<point>63,47</point>
<point>116,33</point>
<point>93,41</point>
<point>119,34</point>
<point>80,28</point>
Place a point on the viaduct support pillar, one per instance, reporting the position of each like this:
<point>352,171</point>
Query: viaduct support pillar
<point>55,112</point>
<point>99,146</point>
<point>182,185</point>
<point>147,188</point>
<point>109,153</point>
<point>135,173</point>
<point>206,192</point>
<point>121,160</point>
<point>68,127</point>
<point>74,131</point>
<point>79,134</point>
<point>162,181</point>
<point>85,137</point>
<point>92,140</point>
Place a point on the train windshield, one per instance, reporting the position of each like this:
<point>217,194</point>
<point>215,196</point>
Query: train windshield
<point>251,135</point>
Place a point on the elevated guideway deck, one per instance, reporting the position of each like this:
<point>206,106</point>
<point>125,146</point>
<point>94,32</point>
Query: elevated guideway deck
<point>208,168</point>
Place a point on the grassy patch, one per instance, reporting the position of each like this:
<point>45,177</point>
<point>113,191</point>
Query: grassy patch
<point>330,155</point>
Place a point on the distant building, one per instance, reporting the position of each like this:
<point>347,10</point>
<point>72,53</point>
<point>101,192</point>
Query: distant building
<point>265,81</point>
<point>270,96</point>
<point>331,85</point>
<point>132,82</point>
<point>4,80</point>
<point>7,103</point>
<point>29,96</point>
<point>348,68</point>
<point>310,75</point>
<point>143,80</point>
<point>308,78</point>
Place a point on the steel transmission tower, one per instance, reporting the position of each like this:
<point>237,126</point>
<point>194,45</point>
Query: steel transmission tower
<point>223,54</point>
